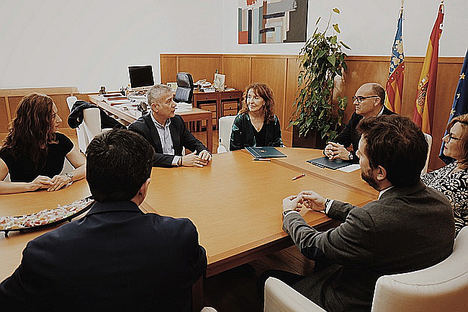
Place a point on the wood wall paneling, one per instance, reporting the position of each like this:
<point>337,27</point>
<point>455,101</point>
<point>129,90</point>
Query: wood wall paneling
<point>290,98</point>
<point>4,120</point>
<point>168,64</point>
<point>237,70</point>
<point>200,67</point>
<point>272,71</point>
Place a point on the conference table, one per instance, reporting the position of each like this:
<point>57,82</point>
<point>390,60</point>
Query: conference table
<point>127,116</point>
<point>235,203</point>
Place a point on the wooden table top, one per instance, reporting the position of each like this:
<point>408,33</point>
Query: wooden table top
<point>234,202</point>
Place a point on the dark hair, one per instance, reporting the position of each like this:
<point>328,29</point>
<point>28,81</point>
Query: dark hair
<point>118,162</point>
<point>32,128</point>
<point>463,120</point>
<point>379,91</point>
<point>397,144</point>
<point>263,91</point>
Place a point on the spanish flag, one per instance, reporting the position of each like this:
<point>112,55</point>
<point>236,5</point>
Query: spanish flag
<point>394,87</point>
<point>425,97</point>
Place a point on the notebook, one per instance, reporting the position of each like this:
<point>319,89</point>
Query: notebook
<point>264,152</point>
<point>324,162</point>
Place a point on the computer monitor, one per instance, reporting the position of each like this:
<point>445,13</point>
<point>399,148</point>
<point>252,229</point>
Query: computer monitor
<point>141,76</point>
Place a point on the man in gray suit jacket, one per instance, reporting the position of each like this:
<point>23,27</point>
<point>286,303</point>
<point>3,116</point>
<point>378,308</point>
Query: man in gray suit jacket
<point>408,228</point>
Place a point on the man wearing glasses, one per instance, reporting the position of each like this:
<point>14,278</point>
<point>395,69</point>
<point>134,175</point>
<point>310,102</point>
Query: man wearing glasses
<point>369,102</point>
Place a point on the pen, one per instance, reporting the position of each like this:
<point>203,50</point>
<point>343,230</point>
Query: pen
<point>299,176</point>
<point>262,159</point>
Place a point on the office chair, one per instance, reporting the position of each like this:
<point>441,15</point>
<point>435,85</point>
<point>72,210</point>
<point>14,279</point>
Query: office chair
<point>429,143</point>
<point>441,287</point>
<point>225,129</point>
<point>184,92</point>
<point>80,132</point>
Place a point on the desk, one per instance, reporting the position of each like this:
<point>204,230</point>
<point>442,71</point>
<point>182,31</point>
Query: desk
<point>234,222</point>
<point>234,202</point>
<point>128,117</point>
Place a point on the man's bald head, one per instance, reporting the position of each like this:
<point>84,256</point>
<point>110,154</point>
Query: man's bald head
<point>374,88</point>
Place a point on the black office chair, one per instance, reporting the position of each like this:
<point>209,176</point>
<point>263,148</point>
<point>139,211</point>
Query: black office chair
<point>184,92</point>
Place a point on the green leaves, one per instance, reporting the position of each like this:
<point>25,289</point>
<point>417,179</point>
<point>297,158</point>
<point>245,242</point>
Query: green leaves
<point>321,60</point>
<point>337,29</point>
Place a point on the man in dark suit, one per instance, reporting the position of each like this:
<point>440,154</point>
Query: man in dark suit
<point>167,133</point>
<point>369,102</point>
<point>410,226</point>
<point>116,258</point>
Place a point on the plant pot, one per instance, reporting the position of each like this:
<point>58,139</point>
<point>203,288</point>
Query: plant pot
<point>311,140</point>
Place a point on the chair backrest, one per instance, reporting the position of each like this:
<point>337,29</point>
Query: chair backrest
<point>80,132</point>
<point>280,297</point>
<point>91,122</point>
<point>225,129</point>
<point>184,90</point>
<point>442,287</point>
<point>429,143</point>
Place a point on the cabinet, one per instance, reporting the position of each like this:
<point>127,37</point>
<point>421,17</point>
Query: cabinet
<point>223,103</point>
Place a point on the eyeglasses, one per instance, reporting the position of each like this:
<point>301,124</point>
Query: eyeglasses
<point>359,99</point>
<point>450,137</point>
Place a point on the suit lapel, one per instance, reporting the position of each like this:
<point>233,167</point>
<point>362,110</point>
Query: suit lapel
<point>176,144</point>
<point>153,133</point>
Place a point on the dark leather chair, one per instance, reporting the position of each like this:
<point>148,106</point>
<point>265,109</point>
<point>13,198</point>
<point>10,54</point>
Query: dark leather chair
<point>184,92</point>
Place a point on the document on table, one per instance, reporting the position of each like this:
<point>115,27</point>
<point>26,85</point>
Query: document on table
<point>350,168</point>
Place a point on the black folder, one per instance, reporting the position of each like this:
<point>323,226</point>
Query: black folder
<point>324,162</point>
<point>265,152</point>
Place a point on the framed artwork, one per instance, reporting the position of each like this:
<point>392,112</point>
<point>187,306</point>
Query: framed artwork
<point>272,21</point>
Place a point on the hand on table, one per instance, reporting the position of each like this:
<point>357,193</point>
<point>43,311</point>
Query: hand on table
<point>205,155</point>
<point>312,200</point>
<point>58,182</point>
<point>336,151</point>
<point>193,159</point>
<point>40,182</point>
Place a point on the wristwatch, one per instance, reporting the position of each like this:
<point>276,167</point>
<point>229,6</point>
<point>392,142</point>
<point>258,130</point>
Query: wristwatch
<point>350,156</point>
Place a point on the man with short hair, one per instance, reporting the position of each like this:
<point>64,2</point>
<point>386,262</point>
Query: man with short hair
<point>369,101</point>
<point>116,258</point>
<point>167,133</point>
<point>410,226</point>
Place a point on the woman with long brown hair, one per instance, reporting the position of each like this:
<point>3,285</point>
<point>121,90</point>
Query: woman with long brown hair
<point>256,125</point>
<point>34,152</point>
<point>452,180</point>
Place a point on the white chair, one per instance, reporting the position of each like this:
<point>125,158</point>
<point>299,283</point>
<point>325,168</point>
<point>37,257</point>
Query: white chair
<point>442,287</point>
<point>429,143</point>
<point>80,132</point>
<point>225,128</point>
<point>280,297</point>
<point>91,123</point>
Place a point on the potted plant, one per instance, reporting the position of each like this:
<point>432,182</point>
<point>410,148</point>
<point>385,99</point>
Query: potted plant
<point>321,61</point>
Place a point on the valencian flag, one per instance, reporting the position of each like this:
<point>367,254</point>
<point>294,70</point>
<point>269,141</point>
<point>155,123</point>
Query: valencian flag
<point>460,102</point>
<point>394,87</point>
<point>425,97</point>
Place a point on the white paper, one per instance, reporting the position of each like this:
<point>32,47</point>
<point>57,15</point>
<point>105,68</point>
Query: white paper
<point>350,168</point>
